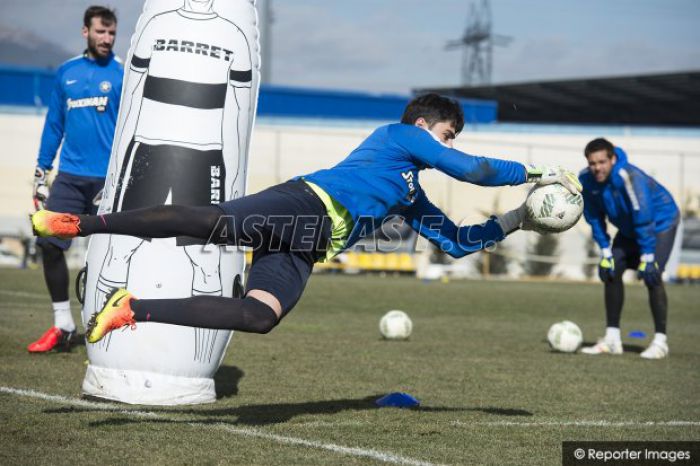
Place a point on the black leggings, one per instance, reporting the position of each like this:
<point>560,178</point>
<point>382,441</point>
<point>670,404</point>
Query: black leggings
<point>626,253</point>
<point>287,227</point>
<point>244,314</point>
<point>615,298</point>
<point>283,253</point>
<point>55,272</point>
<point>162,221</point>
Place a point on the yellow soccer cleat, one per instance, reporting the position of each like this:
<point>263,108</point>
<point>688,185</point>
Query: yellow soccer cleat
<point>54,224</point>
<point>115,314</point>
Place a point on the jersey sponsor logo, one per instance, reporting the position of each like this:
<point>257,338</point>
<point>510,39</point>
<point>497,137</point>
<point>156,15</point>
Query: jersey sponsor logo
<point>410,183</point>
<point>215,183</point>
<point>197,48</point>
<point>100,103</point>
<point>105,86</point>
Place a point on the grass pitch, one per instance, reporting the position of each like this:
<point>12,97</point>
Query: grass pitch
<point>492,392</point>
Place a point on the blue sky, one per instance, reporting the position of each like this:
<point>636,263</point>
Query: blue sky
<point>396,45</point>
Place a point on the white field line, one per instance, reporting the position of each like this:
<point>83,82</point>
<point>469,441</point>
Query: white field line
<point>23,305</point>
<point>245,432</point>
<point>313,424</point>
<point>23,294</point>
<point>373,454</point>
<point>582,423</point>
<point>111,407</point>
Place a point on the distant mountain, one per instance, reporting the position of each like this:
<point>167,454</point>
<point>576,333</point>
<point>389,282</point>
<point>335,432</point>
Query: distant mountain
<point>22,48</point>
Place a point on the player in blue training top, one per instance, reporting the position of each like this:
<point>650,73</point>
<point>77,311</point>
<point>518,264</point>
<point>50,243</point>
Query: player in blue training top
<point>312,218</point>
<point>646,218</point>
<point>82,115</point>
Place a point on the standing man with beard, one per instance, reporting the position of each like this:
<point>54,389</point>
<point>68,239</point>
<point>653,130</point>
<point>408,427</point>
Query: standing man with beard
<point>647,219</point>
<point>81,117</point>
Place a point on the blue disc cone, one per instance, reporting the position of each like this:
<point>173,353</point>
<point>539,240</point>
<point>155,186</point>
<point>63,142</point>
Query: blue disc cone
<point>397,400</point>
<point>637,334</point>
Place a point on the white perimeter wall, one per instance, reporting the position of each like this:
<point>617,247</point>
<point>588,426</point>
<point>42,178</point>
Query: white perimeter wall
<point>280,152</point>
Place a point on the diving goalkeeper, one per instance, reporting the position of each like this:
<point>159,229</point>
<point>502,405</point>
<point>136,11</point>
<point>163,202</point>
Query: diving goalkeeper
<point>311,219</point>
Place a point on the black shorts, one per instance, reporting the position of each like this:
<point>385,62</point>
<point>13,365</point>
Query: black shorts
<point>192,177</point>
<point>73,194</point>
<point>626,251</point>
<point>288,229</point>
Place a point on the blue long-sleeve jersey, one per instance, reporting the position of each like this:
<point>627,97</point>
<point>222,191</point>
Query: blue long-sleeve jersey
<point>631,200</point>
<point>82,114</point>
<point>380,179</point>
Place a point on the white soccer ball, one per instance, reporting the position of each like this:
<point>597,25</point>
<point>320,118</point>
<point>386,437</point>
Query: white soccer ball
<point>565,336</point>
<point>395,325</point>
<point>552,208</point>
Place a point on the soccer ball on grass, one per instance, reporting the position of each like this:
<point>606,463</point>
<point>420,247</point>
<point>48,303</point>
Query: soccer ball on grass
<point>565,336</point>
<point>395,325</point>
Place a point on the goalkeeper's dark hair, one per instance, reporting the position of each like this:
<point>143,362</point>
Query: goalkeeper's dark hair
<point>107,15</point>
<point>434,108</point>
<point>598,145</point>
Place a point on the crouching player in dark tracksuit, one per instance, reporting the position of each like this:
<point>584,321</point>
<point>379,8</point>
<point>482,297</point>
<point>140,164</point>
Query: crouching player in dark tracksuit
<point>647,219</point>
<point>312,218</point>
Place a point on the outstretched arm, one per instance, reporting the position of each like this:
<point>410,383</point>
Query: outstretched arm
<point>457,241</point>
<point>482,171</point>
<point>485,171</point>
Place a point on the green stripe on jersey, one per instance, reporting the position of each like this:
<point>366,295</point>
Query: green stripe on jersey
<point>341,221</point>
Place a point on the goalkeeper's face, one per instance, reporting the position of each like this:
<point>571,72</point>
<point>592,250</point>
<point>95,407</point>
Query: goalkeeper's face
<point>600,164</point>
<point>443,131</point>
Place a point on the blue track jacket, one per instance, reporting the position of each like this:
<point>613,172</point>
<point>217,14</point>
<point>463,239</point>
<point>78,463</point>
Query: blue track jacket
<point>380,179</point>
<point>82,114</point>
<point>633,201</point>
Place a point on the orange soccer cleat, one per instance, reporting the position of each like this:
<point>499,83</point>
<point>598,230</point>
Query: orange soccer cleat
<point>59,225</point>
<point>115,314</point>
<point>53,338</point>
